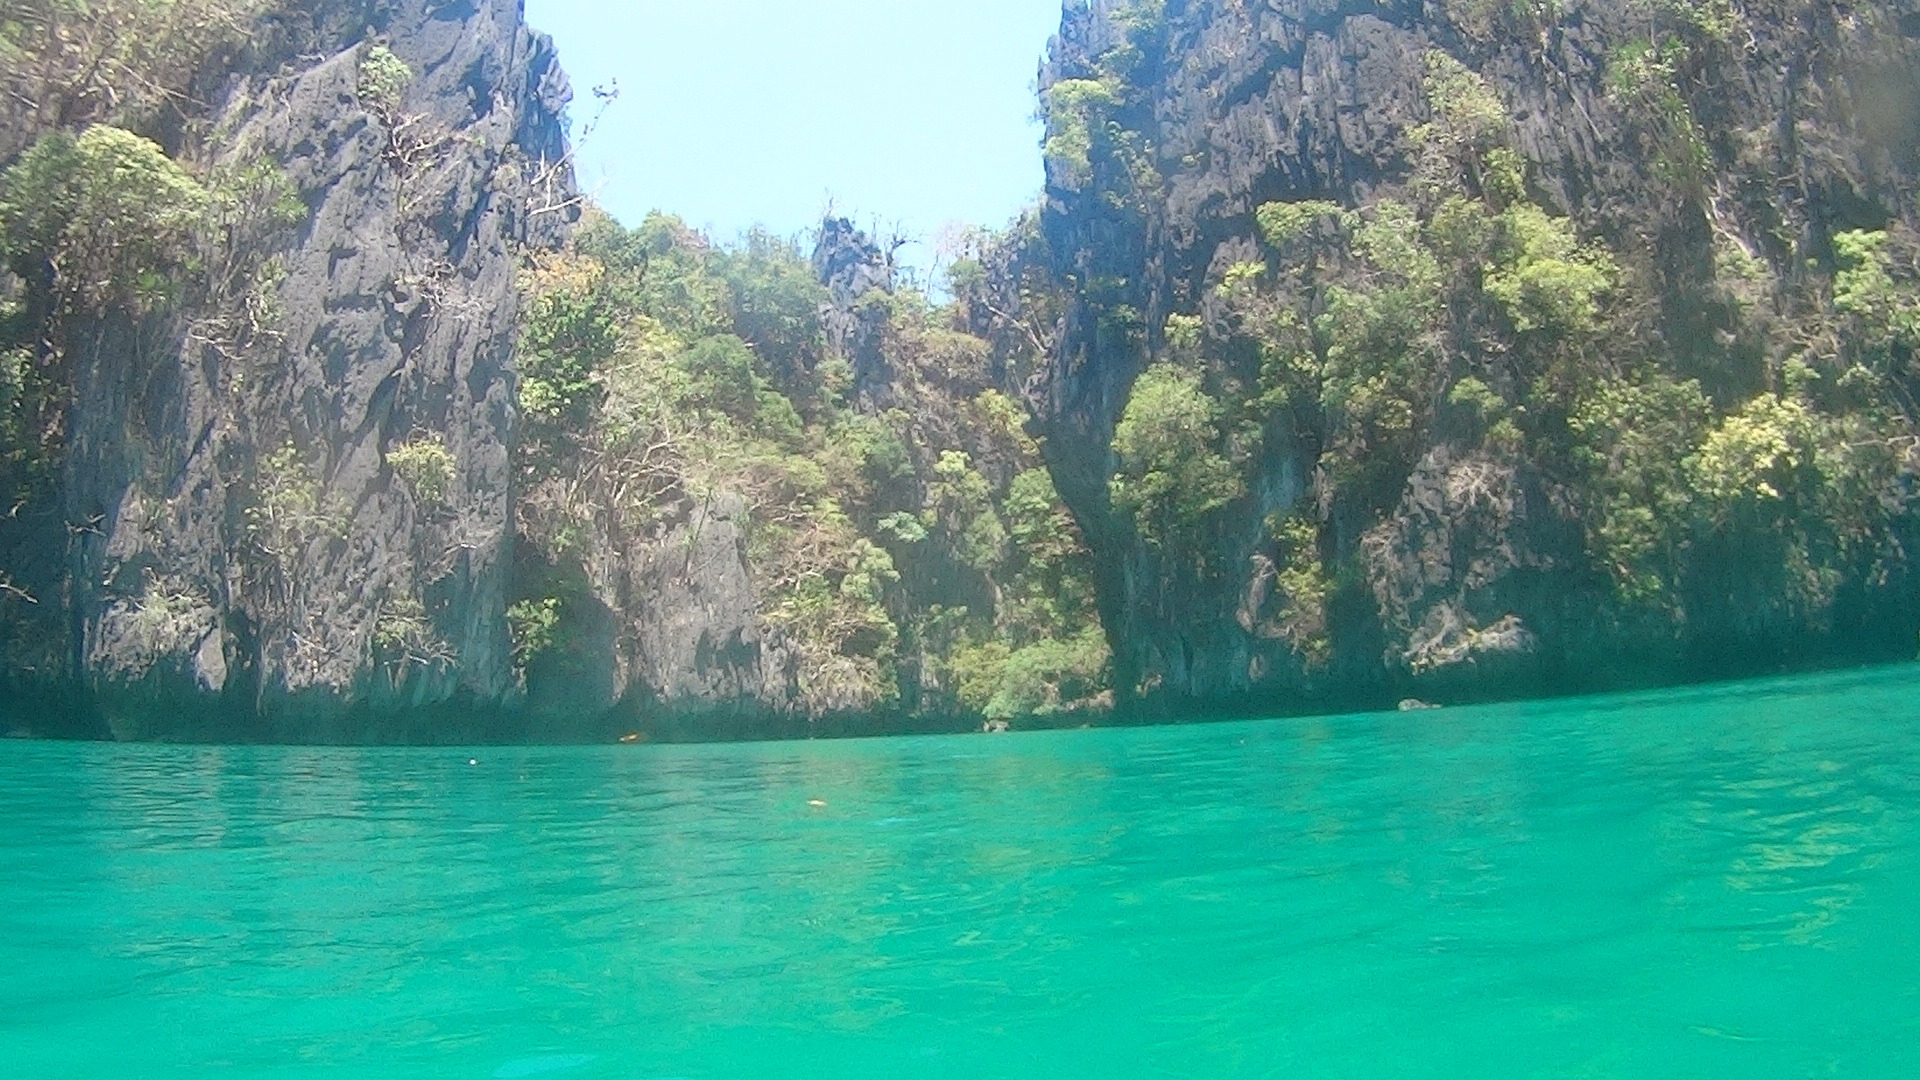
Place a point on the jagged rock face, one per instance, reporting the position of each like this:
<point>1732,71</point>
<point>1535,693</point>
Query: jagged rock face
<point>670,628</point>
<point>1816,130</point>
<point>235,553</point>
<point>671,635</point>
<point>239,541</point>
<point>852,267</point>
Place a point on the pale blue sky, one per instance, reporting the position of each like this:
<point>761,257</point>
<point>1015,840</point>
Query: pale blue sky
<point>736,112</point>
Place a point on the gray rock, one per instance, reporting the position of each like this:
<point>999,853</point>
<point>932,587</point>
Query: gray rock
<point>851,266</point>
<point>396,315</point>
<point>674,628</point>
<point>1813,129</point>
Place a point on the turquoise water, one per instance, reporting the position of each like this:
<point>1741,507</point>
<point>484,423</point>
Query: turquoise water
<point>1706,884</point>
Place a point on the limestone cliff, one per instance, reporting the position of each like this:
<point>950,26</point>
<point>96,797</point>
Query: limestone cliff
<point>227,539</point>
<point>1452,350</point>
<point>1677,139</point>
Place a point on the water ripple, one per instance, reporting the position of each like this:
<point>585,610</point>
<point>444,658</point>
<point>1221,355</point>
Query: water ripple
<point>1717,881</point>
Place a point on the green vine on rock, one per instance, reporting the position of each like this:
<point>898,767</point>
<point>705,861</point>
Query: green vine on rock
<point>534,627</point>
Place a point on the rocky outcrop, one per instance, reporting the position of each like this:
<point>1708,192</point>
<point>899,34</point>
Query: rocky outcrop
<point>665,628</point>
<point>855,271</point>
<point>1477,580</point>
<point>237,545</point>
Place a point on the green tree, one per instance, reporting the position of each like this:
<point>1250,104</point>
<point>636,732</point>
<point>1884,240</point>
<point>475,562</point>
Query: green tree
<point>724,377</point>
<point>1172,473</point>
<point>535,627</point>
<point>1546,280</point>
<point>1633,438</point>
<point>1380,337</point>
<point>1038,522</point>
<point>1049,677</point>
<point>566,341</point>
<point>383,80</point>
<point>1887,311</point>
<point>1076,110</point>
<point>960,505</point>
<point>723,374</point>
<point>1752,452</point>
<point>775,303</point>
<point>1281,223</point>
<point>1467,137</point>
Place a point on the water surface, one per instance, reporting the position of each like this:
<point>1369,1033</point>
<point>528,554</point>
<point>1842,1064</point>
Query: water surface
<point>1713,883</point>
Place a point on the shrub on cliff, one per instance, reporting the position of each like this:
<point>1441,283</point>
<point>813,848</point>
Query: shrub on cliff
<point>535,630</point>
<point>1546,280</point>
<point>568,337</point>
<point>1076,112</point>
<point>426,466</point>
<point>1282,223</point>
<point>292,509</point>
<point>1631,439</point>
<point>404,637</point>
<point>959,507</point>
<point>100,219</point>
<point>1172,472</point>
<point>1887,310</point>
<point>382,80</point>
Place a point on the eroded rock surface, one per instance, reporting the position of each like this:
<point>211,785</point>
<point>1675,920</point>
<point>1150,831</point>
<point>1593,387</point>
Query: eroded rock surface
<point>1809,127</point>
<point>235,536</point>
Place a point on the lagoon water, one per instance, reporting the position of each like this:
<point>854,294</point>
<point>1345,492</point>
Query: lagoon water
<point>1718,882</point>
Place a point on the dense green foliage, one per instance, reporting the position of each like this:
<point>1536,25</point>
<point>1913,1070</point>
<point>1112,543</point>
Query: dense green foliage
<point>912,556</point>
<point>1172,473</point>
<point>104,217</point>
